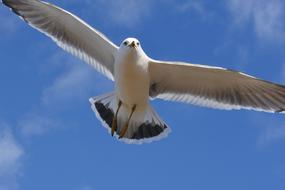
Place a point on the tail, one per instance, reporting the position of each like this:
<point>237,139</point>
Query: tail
<point>145,126</point>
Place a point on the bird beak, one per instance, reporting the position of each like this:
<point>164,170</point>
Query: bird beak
<point>133,44</point>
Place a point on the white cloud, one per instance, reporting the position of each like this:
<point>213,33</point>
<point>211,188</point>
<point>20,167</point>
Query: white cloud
<point>74,86</point>
<point>269,19</point>
<point>124,12</point>
<point>36,124</point>
<point>266,16</point>
<point>10,159</point>
<point>130,13</point>
<point>241,10</point>
<point>192,6</point>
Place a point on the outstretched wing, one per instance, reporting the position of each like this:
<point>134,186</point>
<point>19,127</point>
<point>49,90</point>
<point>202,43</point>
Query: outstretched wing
<point>214,87</point>
<point>69,32</point>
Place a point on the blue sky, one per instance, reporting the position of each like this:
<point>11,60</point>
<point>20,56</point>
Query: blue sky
<point>50,138</point>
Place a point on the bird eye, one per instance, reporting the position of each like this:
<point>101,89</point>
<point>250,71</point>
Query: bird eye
<point>125,43</point>
<point>138,43</point>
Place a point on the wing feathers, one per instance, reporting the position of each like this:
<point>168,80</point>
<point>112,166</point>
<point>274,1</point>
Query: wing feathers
<point>214,87</point>
<point>69,32</point>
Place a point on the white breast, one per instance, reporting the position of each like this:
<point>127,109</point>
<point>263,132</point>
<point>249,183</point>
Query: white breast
<point>132,79</point>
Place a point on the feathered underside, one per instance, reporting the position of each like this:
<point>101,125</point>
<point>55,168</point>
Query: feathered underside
<point>214,87</point>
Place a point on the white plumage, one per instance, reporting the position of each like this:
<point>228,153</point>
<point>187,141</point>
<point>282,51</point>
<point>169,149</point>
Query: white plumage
<point>126,112</point>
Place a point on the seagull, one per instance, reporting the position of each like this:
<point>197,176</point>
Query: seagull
<point>126,112</point>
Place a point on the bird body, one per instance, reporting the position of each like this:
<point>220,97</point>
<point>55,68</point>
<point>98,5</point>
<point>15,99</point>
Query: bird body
<point>132,82</point>
<point>126,112</point>
<point>131,76</point>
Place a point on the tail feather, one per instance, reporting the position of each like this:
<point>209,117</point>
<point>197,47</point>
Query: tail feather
<point>144,126</point>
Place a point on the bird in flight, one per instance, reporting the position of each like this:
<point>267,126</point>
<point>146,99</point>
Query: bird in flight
<point>126,111</point>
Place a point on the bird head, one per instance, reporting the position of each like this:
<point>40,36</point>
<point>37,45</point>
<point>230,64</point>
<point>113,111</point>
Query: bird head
<point>130,43</point>
<point>131,47</point>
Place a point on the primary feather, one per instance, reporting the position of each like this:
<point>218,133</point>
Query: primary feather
<point>69,32</point>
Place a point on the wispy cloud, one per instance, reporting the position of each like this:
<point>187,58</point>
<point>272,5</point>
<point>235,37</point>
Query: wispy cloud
<point>130,13</point>
<point>192,6</point>
<point>124,12</point>
<point>267,17</point>
<point>10,159</point>
<point>75,85</point>
<point>72,85</point>
<point>37,124</point>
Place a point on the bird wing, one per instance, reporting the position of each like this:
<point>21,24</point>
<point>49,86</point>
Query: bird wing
<point>214,87</point>
<point>69,32</point>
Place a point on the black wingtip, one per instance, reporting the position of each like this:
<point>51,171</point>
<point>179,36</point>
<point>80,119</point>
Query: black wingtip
<point>6,3</point>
